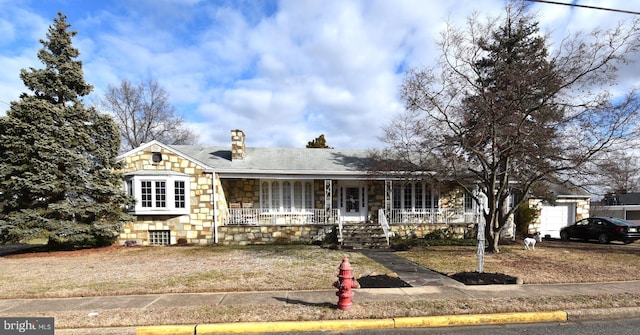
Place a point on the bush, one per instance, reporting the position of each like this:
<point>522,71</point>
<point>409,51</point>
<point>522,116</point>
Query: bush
<point>443,236</point>
<point>524,216</point>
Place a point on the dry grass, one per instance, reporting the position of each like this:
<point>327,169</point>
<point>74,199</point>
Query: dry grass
<point>301,312</point>
<point>552,262</point>
<point>140,270</point>
<point>146,270</point>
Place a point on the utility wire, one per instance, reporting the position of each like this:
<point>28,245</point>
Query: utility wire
<point>586,6</point>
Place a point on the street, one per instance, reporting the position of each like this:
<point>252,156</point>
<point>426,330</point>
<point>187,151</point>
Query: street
<point>618,327</point>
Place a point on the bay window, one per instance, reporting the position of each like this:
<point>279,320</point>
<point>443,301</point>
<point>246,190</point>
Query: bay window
<point>160,194</point>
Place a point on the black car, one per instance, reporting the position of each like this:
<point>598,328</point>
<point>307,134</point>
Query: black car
<point>602,229</point>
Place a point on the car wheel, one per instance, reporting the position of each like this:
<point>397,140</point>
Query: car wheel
<point>564,235</point>
<point>603,238</point>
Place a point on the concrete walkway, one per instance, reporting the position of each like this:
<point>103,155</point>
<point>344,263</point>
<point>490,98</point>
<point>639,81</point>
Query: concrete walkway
<point>412,273</point>
<point>426,284</point>
<point>319,297</point>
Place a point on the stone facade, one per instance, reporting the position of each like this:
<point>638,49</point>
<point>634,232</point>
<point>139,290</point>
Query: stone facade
<point>195,227</point>
<point>274,234</point>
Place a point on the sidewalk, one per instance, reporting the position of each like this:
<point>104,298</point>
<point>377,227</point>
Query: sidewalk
<point>426,284</point>
<point>281,298</point>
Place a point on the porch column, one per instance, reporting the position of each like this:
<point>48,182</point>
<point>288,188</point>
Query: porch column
<point>388,196</point>
<point>328,197</point>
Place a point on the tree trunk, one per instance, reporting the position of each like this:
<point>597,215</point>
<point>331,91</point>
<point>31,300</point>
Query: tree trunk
<point>493,238</point>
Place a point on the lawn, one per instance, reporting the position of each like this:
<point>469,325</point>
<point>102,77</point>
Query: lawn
<point>140,270</point>
<point>146,270</point>
<point>552,262</point>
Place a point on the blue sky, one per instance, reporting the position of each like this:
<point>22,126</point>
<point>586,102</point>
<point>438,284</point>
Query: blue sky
<point>282,71</point>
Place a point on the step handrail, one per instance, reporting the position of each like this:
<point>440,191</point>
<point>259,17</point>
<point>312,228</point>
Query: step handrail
<point>382,219</point>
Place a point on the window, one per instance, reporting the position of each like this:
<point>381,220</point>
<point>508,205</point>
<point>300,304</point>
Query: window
<point>275,195</point>
<point>179,194</point>
<point>308,191</point>
<point>468,202</point>
<point>414,196</point>
<point>159,237</point>
<point>156,157</point>
<point>146,194</point>
<point>408,196</point>
<point>297,191</point>
<point>159,194</point>
<point>129,186</point>
<point>285,195</point>
<point>419,198</point>
<point>397,197</point>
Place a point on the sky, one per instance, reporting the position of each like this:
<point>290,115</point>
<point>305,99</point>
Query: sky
<point>284,72</point>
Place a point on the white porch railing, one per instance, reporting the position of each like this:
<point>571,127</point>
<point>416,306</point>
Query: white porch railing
<point>441,215</point>
<point>257,216</point>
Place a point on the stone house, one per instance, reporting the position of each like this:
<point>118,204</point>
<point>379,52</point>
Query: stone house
<point>244,195</point>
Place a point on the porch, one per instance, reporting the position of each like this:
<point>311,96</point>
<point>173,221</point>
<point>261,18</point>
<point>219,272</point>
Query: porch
<point>258,216</point>
<point>265,217</point>
<point>259,226</point>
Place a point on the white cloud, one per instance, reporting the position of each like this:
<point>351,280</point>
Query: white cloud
<point>284,77</point>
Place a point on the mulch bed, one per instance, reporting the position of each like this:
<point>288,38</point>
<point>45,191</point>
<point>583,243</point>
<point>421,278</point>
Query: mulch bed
<point>467,278</point>
<point>485,278</point>
<point>381,281</point>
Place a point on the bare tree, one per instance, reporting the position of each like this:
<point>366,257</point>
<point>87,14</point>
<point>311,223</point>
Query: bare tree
<point>143,113</point>
<point>500,114</point>
<point>618,172</point>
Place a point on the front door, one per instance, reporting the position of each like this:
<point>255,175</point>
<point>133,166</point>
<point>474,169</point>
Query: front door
<point>352,201</point>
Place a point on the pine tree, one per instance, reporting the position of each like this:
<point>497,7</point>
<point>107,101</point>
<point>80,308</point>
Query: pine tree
<point>57,157</point>
<point>319,142</point>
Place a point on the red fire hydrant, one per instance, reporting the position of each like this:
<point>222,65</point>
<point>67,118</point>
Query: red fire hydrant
<point>344,285</point>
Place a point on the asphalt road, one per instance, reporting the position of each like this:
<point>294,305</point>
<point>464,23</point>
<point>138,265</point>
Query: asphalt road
<point>618,327</point>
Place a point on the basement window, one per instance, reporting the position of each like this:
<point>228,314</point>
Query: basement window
<point>159,237</point>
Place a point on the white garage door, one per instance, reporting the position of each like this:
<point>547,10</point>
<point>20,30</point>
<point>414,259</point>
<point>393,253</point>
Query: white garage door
<point>552,218</point>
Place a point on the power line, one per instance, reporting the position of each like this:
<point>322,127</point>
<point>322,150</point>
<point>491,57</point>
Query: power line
<point>586,6</point>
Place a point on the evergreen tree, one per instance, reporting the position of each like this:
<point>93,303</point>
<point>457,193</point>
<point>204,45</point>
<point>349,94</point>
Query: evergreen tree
<point>319,142</point>
<point>57,157</point>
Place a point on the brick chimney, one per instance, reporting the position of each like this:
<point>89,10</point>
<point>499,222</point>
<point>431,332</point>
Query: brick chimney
<point>237,144</point>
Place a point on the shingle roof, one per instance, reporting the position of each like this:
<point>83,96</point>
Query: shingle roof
<point>281,160</point>
<point>629,199</point>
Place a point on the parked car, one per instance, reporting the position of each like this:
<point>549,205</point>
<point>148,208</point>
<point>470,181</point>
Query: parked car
<point>602,229</point>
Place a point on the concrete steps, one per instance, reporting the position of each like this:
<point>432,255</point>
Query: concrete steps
<point>362,235</point>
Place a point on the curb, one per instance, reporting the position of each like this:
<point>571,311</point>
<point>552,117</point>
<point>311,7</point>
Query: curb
<point>406,322</point>
<point>603,313</point>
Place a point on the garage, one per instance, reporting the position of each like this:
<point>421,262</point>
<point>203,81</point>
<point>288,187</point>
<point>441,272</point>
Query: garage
<point>554,217</point>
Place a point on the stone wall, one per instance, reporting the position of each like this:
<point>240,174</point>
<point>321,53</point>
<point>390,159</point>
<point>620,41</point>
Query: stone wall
<point>304,234</point>
<point>406,231</point>
<point>242,191</point>
<point>196,227</point>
